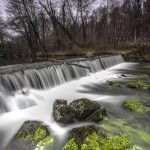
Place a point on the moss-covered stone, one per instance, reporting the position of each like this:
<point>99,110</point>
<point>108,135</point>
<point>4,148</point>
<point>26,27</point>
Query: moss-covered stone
<point>114,84</point>
<point>97,116</point>
<point>71,145</point>
<point>100,141</point>
<point>33,131</point>
<point>135,106</point>
<point>80,134</point>
<point>139,85</point>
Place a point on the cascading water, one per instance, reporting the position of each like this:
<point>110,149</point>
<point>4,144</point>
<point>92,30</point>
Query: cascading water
<point>19,102</point>
<point>57,74</point>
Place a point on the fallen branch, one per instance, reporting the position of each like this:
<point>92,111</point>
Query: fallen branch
<point>54,60</point>
<point>78,65</point>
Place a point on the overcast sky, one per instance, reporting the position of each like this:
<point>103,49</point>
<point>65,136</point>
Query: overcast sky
<point>2,7</point>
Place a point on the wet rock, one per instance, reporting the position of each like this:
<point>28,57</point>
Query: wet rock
<point>84,107</point>
<point>97,116</point>
<point>80,134</point>
<point>33,131</point>
<point>63,113</point>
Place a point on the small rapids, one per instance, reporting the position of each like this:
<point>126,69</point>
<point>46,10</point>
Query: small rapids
<point>29,102</point>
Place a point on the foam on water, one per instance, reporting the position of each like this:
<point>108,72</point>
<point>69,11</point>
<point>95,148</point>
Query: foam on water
<point>37,104</point>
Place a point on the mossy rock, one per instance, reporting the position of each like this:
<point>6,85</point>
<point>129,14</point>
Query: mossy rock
<point>80,134</point>
<point>114,84</point>
<point>33,131</point>
<point>139,85</point>
<point>71,145</point>
<point>97,116</point>
<point>90,138</point>
<point>84,107</point>
<point>135,106</point>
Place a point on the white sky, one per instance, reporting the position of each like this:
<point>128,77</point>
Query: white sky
<point>2,8</point>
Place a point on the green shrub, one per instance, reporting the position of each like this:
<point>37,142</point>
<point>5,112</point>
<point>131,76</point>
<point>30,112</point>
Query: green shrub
<point>89,54</point>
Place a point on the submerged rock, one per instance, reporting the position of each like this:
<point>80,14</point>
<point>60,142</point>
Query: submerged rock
<point>97,116</point>
<point>63,113</point>
<point>84,107</point>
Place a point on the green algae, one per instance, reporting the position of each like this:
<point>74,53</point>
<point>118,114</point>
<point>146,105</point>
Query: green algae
<point>139,85</point>
<point>46,143</point>
<point>147,66</point>
<point>114,84</point>
<point>136,131</point>
<point>135,106</point>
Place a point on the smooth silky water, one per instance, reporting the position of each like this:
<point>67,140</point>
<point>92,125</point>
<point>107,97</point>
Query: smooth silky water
<point>30,96</point>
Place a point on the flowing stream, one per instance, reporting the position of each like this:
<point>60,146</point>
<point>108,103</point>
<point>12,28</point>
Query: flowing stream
<point>30,94</point>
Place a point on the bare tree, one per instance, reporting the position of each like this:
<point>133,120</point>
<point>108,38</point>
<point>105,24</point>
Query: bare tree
<point>23,19</point>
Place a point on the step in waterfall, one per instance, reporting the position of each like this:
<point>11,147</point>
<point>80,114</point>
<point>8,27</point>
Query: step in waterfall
<point>53,75</point>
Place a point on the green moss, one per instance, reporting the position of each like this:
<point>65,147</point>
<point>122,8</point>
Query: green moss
<point>139,85</point>
<point>24,136</point>
<point>138,133</point>
<point>147,66</point>
<point>114,84</point>
<point>39,134</point>
<point>135,106</point>
<point>71,145</point>
<point>45,144</point>
<point>97,141</point>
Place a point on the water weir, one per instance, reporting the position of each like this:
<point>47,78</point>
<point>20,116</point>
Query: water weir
<point>55,73</point>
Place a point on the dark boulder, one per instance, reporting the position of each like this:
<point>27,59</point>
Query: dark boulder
<point>84,107</point>
<point>63,113</point>
<point>97,116</point>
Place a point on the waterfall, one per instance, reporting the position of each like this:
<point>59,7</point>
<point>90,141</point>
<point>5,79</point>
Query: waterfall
<point>56,74</point>
<point>19,101</point>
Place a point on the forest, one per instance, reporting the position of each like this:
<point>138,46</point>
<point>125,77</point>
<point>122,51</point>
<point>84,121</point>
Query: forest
<point>44,27</point>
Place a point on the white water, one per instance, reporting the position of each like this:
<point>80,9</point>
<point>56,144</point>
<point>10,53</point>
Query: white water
<point>19,105</point>
<point>55,75</point>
